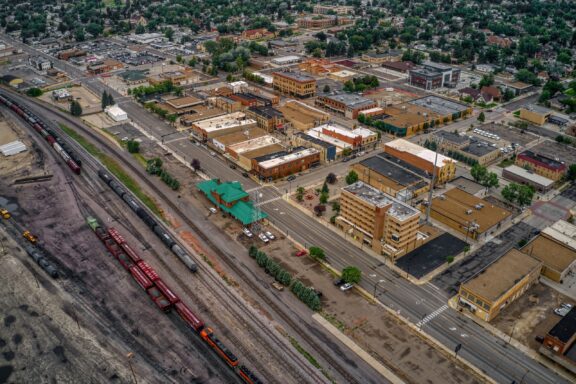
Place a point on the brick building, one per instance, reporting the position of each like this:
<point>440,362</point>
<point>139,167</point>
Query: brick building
<point>548,167</point>
<point>294,84</point>
<point>268,118</point>
<point>302,116</point>
<point>281,164</point>
<point>346,104</point>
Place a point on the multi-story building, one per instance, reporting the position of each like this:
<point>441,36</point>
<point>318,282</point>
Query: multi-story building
<point>347,104</point>
<point>433,76</point>
<point>281,164</point>
<point>255,34</point>
<point>268,118</point>
<point>315,22</point>
<point>378,220</point>
<point>328,151</point>
<point>302,116</point>
<point>498,285</point>
<point>381,58</point>
<point>221,125</point>
<point>390,178</point>
<point>294,83</point>
<point>535,114</point>
<point>423,159</point>
<point>548,167</point>
<point>320,9</point>
<point>104,66</point>
<point>39,63</point>
<point>481,151</point>
<point>318,66</point>
<point>357,138</point>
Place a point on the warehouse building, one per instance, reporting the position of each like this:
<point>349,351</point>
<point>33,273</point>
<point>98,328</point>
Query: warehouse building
<point>286,60</point>
<point>116,113</point>
<point>358,138</point>
<point>281,164</point>
<point>555,246</point>
<point>434,76</point>
<point>246,151</point>
<point>221,125</point>
<point>302,116</point>
<point>423,159</point>
<point>294,84</point>
<point>390,178</point>
<point>498,285</point>
<point>535,114</point>
<point>527,177</point>
<point>221,143</point>
<point>377,220</point>
<point>467,213</point>
<point>561,338</point>
<point>548,167</point>
<point>347,104</point>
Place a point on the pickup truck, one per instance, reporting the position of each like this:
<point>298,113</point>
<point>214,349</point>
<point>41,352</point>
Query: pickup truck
<point>278,286</point>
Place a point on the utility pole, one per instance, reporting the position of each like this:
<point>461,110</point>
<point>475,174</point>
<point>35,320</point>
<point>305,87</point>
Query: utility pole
<point>432,181</point>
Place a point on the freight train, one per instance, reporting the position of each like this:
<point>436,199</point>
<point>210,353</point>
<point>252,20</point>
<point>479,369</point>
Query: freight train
<point>150,222</point>
<point>162,296</point>
<point>40,258</point>
<point>63,150</point>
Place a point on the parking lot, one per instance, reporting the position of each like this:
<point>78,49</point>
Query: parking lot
<point>553,149</point>
<point>509,134</point>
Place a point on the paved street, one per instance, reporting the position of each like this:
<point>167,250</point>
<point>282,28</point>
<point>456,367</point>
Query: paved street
<point>425,304</point>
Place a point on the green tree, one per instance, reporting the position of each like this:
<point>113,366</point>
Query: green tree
<point>252,251</point>
<point>351,275</point>
<point>34,92</point>
<point>326,88</point>
<point>331,178</point>
<point>571,174</point>
<point>317,253</point>
<point>351,177</point>
<point>510,192</point>
<point>490,181</point>
<point>324,197</point>
<point>525,195</point>
<point>133,146</point>
<point>75,108</point>
<point>479,173</point>
<point>325,188</point>
<point>481,117</point>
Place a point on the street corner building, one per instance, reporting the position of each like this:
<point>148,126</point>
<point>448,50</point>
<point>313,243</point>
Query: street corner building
<point>494,288</point>
<point>294,83</point>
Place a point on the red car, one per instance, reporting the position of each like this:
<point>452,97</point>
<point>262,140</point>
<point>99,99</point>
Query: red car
<point>302,252</point>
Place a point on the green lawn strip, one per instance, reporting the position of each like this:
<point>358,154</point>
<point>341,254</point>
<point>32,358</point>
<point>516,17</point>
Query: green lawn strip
<point>505,163</point>
<point>115,169</point>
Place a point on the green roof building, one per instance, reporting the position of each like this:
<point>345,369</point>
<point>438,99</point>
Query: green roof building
<point>232,199</point>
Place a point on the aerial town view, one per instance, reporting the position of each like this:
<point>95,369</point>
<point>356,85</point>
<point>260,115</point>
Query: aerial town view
<point>288,191</point>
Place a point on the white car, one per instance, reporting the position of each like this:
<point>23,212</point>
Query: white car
<point>346,287</point>
<point>563,309</point>
<point>247,232</point>
<point>213,210</point>
<point>263,238</point>
<point>212,153</point>
<point>269,235</point>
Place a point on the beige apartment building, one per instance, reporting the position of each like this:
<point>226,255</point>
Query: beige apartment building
<point>294,84</point>
<point>377,220</point>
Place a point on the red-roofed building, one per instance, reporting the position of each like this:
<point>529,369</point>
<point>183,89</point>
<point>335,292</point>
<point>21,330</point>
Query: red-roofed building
<point>255,34</point>
<point>542,165</point>
<point>491,94</point>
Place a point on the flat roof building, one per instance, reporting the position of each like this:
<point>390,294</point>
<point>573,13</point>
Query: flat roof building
<point>390,178</point>
<point>221,143</point>
<point>535,114</point>
<point>294,83</point>
<point>328,151</point>
<point>527,177</point>
<point>423,159</point>
<point>356,138</point>
<point>302,116</point>
<point>347,104</point>
<point>442,106</point>
<point>562,336</point>
<point>555,246</point>
<point>221,125</point>
<point>491,290</point>
<point>285,60</point>
<point>542,165</point>
<point>467,213</point>
<point>268,118</point>
<point>371,217</point>
<point>272,166</point>
<point>433,76</point>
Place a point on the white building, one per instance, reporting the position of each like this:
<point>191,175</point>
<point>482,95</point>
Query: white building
<point>285,60</point>
<point>116,113</point>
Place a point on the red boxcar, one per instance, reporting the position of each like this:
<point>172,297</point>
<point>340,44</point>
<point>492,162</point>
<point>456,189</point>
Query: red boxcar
<point>148,270</point>
<point>166,291</point>
<point>73,166</point>
<point>112,247</point>
<point>140,277</point>
<point>130,252</point>
<point>116,236</point>
<point>189,317</point>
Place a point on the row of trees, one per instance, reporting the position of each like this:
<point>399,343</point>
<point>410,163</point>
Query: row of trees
<point>252,77</point>
<point>107,100</point>
<point>519,194</point>
<point>154,167</point>
<point>157,89</point>
<point>361,84</point>
<point>75,108</point>
<point>152,106</point>
<point>461,157</point>
<point>481,175</point>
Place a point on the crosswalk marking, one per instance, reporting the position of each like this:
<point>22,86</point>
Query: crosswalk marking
<point>268,201</point>
<point>432,315</point>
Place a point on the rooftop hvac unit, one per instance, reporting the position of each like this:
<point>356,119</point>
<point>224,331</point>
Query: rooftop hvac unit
<point>478,206</point>
<point>468,211</point>
<point>442,197</point>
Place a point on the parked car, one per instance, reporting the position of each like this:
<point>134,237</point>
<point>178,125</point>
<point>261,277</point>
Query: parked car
<point>247,232</point>
<point>346,287</point>
<point>245,174</point>
<point>270,235</point>
<point>346,159</point>
<point>291,178</point>
<point>263,237</point>
<point>338,282</point>
<point>212,153</point>
<point>563,309</point>
<point>213,210</point>
<point>233,166</point>
<point>301,252</point>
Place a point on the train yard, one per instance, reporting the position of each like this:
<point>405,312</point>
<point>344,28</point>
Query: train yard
<point>281,361</point>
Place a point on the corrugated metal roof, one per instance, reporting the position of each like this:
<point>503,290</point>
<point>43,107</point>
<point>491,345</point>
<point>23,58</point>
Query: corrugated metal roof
<point>12,148</point>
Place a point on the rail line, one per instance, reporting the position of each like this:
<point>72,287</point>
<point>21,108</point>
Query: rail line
<point>284,350</point>
<point>251,284</point>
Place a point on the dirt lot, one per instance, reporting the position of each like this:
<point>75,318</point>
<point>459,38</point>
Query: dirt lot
<point>89,102</point>
<point>531,315</point>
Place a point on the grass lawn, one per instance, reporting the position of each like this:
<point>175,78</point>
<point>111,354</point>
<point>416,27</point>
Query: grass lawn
<point>114,168</point>
<point>506,163</point>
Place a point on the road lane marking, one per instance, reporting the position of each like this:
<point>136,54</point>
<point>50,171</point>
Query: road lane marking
<point>432,315</point>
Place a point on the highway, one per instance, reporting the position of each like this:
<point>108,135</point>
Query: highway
<point>423,303</point>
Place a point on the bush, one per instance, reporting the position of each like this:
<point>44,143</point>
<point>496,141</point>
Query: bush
<point>331,178</point>
<point>307,295</point>
<point>252,251</point>
<point>351,177</point>
<point>351,275</point>
<point>317,253</point>
<point>133,146</point>
<point>270,266</point>
<point>34,92</point>
<point>449,259</point>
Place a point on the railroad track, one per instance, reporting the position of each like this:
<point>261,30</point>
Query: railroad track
<point>254,286</point>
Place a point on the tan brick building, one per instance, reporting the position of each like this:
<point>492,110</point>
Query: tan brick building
<point>303,117</point>
<point>294,84</point>
<point>381,222</point>
<point>542,165</point>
